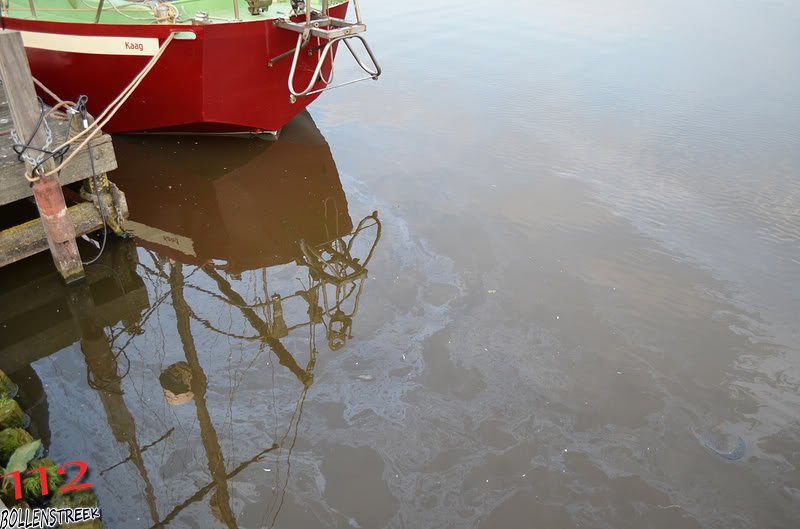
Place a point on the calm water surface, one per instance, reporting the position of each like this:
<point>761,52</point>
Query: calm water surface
<point>585,276</point>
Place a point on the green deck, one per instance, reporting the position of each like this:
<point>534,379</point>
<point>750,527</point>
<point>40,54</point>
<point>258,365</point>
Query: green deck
<point>143,12</point>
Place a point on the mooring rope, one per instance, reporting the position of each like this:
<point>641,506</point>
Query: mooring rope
<point>91,130</point>
<point>47,91</point>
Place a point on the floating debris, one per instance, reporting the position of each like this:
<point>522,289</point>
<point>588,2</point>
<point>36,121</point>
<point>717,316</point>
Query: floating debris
<point>176,383</point>
<point>728,446</point>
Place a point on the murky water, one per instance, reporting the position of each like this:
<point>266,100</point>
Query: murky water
<point>583,292</point>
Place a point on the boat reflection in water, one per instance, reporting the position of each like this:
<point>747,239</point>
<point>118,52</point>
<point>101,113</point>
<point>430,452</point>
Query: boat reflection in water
<point>246,256</point>
<point>245,202</point>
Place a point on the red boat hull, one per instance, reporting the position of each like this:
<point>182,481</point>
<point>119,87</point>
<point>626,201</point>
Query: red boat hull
<point>217,83</point>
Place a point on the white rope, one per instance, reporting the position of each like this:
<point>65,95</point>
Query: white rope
<point>109,112</point>
<point>138,7</point>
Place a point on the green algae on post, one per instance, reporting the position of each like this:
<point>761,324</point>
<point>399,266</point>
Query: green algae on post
<point>7,387</point>
<point>32,489</point>
<point>18,462</point>
<point>74,499</point>
<point>10,440</point>
<point>11,415</point>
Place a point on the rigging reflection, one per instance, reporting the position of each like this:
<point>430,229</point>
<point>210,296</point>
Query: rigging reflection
<point>334,281</point>
<point>240,225</point>
<point>243,245</point>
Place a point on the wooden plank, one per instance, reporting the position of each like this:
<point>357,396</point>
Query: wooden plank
<point>25,111</point>
<point>29,239</point>
<point>14,186</point>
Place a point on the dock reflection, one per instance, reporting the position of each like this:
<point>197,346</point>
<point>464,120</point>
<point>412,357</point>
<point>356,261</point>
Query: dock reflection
<point>245,254</point>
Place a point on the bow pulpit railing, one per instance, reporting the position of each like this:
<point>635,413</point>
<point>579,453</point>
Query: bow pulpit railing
<point>326,31</point>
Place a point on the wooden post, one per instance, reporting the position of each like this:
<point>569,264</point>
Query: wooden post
<point>16,75</point>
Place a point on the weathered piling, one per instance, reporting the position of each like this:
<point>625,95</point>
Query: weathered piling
<point>57,226</point>
<point>21,94</point>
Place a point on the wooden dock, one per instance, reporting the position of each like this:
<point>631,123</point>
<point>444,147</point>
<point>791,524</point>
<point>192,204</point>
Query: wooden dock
<point>57,226</point>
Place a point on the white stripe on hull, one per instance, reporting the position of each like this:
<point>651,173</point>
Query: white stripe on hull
<point>91,44</point>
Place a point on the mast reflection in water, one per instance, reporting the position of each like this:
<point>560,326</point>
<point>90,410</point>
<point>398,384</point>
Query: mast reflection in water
<point>191,398</point>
